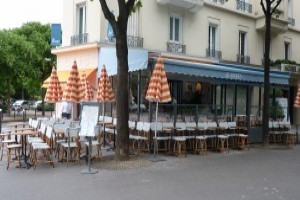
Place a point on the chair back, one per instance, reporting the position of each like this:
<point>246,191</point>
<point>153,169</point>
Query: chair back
<point>115,121</point>
<point>231,124</point>
<point>159,126</point>
<point>35,124</point>
<point>168,125</point>
<point>211,124</point>
<point>43,128</point>
<point>30,122</point>
<point>202,125</point>
<point>181,125</point>
<point>131,125</point>
<point>139,126</point>
<point>223,125</point>
<point>146,127</point>
<point>60,126</point>
<point>191,124</point>
<point>49,131</point>
<point>270,124</point>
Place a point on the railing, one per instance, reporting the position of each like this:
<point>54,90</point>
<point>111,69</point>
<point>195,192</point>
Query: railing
<point>243,59</point>
<point>218,1</point>
<point>214,54</point>
<point>132,41</point>
<point>291,21</point>
<point>175,47</point>
<point>242,5</point>
<point>79,39</point>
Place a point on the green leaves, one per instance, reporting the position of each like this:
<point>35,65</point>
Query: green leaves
<point>22,58</point>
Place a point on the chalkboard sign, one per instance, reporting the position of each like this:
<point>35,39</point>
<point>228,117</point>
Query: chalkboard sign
<point>89,118</point>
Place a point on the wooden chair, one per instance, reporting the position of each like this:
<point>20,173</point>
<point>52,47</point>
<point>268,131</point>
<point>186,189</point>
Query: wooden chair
<point>162,137</point>
<point>71,148</point>
<point>45,148</point>
<point>200,138</point>
<point>222,137</point>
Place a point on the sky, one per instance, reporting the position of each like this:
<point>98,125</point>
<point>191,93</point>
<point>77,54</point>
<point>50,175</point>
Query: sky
<point>13,13</point>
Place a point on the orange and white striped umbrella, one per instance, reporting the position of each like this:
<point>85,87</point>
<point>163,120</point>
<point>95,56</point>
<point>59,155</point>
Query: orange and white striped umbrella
<point>297,100</point>
<point>73,88</point>
<point>54,91</point>
<point>105,92</point>
<point>158,90</point>
<point>86,93</point>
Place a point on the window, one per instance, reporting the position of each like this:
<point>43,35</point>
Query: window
<point>133,29</point>
<point>175,28</point>
<point>81,19</point>
<point>287,50</point>
<point>212,37</point>
<point>242,43</point>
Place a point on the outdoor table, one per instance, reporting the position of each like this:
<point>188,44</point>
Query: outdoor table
<point>16,124</point>
<point>24,135</point>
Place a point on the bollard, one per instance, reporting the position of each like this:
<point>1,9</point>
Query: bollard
<point>23,115</point>
<point>35,113</point>
<point>14,114</point>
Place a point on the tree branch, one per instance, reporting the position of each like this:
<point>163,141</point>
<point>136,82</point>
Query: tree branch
<point>108,15</point>
<point>263,6</point>
<point>277,4</point>
<point>130,4</point>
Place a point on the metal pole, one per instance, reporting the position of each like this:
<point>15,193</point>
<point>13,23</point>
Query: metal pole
<point>139,96</point>
<point>1,115</point>
<point>43,102</point>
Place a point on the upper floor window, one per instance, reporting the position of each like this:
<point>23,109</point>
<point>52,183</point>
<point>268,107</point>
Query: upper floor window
<point>133,24</point>
<point>244,5</point>
<point>218,1</point>
<point>287,50</point>
<point>81,19</point>
<point>175,28</point>
<point>212,37</point>
<point>242,55</point>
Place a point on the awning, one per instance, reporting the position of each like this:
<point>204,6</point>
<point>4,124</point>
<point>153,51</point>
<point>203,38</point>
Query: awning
<point>137,60</point>
<point>227,72</point>
<point>63,77</point>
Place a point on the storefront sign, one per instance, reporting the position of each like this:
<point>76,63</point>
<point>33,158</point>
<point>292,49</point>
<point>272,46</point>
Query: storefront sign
<point>233,75</point>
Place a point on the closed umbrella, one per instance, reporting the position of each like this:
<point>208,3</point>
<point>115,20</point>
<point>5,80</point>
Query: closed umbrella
<point>72,89</point>
<point>297,100</point>
<point>105,92</point>
<point>54,91</point>
<point>86,93</point>
<point>158,91</point>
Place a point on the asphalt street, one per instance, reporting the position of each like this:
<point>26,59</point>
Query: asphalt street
<point>261,174</point>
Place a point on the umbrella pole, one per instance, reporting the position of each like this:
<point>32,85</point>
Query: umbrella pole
<point>104,142</point>
<point>155,133</point>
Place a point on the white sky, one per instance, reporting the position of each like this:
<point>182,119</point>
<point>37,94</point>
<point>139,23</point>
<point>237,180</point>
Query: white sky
<point>13,13</point>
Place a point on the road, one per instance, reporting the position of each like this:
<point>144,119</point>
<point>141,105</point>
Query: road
<point>261,174</point>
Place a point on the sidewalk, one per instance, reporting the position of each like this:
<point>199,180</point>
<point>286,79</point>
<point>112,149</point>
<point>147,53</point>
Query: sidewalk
<point>261,174</point>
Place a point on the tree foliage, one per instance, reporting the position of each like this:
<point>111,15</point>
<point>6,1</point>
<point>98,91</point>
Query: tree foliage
<point>22,59</point>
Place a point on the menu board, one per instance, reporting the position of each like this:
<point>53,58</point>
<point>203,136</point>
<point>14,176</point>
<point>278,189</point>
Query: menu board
<point>89,119</point>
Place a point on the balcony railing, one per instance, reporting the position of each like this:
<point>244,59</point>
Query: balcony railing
<point>175,47</point>
<point>131,41</point>
<point>291,21</point>
<point>79,39</point>
<point>243,59</point>
<point>242,5</point>
<point>218,1</point>
<point>214,54</point>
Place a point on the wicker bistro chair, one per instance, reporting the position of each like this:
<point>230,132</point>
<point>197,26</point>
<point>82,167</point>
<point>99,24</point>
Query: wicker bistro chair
<point>71,147</point>
<point>43,147</point>
<point>162,137</point>
<point>191,129</point>
<point>180,139</point>
<point>275,132</point>
<point>232,133</point>
<point>222,137</point>
<point>288,136</point>
<point>200,138</point>
<point>11,146</point>
<point>59,129</point>
<point>211,133</point>
<point>144,138</point>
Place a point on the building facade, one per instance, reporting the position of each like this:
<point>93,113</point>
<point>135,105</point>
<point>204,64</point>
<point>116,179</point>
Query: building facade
<point>214,43</point>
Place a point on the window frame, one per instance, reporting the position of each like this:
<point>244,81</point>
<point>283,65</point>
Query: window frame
<point>81,29</point>
<point>245,43</point>
<point>172,33</point>
<point>216,41</point>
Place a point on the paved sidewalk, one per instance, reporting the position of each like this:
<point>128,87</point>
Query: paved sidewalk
<point>261,174</point>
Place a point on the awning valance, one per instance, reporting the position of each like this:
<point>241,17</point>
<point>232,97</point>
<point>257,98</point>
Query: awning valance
<point>91,75</point>
<point>137,60</point>
<point>228,72</point>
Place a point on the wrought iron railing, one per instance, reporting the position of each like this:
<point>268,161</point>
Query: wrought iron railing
<point>242,5</point>
<point>243,59</point>
<point>291,21</point>
<point>218,1</point>
<point>79,39</point>
<point>132,41</point>
<point>176,47</point>
<point>214,54</point>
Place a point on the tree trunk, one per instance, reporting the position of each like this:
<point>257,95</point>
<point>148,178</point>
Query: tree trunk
<point>122,150</point>
<point>265,134</point>
<point>8,109</point>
